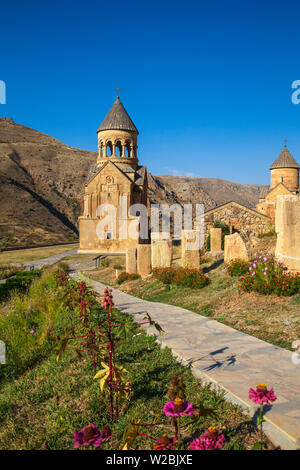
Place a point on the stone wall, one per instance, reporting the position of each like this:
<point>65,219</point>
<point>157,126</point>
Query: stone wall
<point>239,218</point>
<point>287,222</point>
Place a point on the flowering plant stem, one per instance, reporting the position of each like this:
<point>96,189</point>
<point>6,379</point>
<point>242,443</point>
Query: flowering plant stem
<point>261,418</point>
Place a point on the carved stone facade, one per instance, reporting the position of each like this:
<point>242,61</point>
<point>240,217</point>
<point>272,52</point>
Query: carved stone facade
<point>118,182</point>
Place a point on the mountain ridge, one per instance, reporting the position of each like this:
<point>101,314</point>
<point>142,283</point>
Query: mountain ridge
<point>42,182</point>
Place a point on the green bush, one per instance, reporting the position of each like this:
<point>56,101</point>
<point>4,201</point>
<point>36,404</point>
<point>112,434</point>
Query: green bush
<point>186,277</point>
<point>19,283</point>
<point>237,267</point>
<point>105,263</point>
<point>267,276</point>
<point>127,277</point>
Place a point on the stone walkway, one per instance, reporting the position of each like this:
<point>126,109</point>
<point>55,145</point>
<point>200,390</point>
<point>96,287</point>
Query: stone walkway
<point>232,360</point>
<point>39,263</point>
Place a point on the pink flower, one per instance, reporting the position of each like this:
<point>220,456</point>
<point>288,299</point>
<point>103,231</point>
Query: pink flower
<point>91,435</point>
<point>254,265</point>
<point>265,273</point>
<point>107,298</point>
<point>178,408</point>
<point>210,440</point>
<point>262,394</point>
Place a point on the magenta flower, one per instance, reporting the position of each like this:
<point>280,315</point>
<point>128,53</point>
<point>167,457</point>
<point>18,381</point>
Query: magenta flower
<point>90,435</point>
<point>210,440</point>
<point>262,394</point>
<point>107,298</point>
<point>178,408</point>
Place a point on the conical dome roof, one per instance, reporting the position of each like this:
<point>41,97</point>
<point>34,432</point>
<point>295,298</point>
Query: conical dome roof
<point>284,160</point>
<point>117,119</point>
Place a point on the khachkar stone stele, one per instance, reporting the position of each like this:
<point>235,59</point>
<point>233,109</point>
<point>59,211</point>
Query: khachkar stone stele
<point>2,352</point>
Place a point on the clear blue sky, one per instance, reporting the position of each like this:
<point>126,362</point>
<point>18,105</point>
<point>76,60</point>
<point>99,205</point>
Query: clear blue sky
<point>208,84</point>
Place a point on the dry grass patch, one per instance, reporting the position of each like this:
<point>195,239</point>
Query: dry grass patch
<point>21,256</point>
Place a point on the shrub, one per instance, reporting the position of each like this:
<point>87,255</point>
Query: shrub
<point>19,283</point>
<point>267,276</point>
<point>187,277</point>
<point>237,267</point>
<point>127,277</point>
<point>105,263</point>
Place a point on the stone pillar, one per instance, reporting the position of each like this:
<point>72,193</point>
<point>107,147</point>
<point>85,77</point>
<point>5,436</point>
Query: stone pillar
<point>161,254</point>
<point>287,225</point>
<point>131,265</point>
<point>215,239</point>
<point>113,150</point>
<point>123,150</point>
<point>235,248</point>
<point>86,206</point>
<point>190,257</point>
<point>144,259</point>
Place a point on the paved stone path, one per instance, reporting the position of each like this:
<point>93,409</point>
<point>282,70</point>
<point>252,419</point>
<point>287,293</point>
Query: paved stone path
<point>39,263</point>
<point>232,360</point>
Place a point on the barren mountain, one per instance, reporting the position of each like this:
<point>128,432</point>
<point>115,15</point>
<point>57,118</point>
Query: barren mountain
<point>42,181</point>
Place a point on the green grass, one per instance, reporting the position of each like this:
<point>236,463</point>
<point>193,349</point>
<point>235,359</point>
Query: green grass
<point>7,271</point>
<point>42,402</point>
<point>18,284</point>
<point>55,399</point>
<point>31,254</point>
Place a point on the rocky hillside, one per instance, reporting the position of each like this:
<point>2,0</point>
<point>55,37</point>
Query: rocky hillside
<point>211,192</point>
<point>42,180</point>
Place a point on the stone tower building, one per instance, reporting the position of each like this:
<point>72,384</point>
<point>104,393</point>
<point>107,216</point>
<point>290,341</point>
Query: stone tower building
<point>117,180</point>
<point>284,181</point>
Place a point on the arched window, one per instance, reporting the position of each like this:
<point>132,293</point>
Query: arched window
<point>101,149</point>
<point>109,149</point>
<point>118,151</point>
<point>127,148</point>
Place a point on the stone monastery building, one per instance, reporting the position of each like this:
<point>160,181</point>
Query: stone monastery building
<point>116,173</point>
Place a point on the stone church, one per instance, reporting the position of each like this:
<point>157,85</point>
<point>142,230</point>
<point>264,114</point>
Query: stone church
<point>254,221</point>
<point>284,181</point>
<point>116,176</point>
